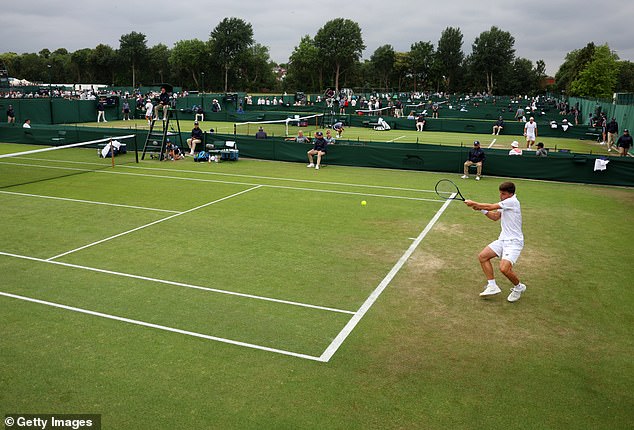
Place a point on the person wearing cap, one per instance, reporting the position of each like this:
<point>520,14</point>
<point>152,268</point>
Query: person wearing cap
<point>173,152</point>
<point>498,126</point>
<point>624,143</point>
<point>515,148</point>
<point>195,139</point>
<point>149,111</point>
<point>613,130</point>
<point>530,131</point>
<point>261,134</point>
<point>319,149</point>
<point>164,103</point>
<point>541,151</point>
<point>476,156</point>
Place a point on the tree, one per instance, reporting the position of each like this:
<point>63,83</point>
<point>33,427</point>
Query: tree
<point>79,61</point>
<point>574,62</point>
<point>158,61</point>
<point>188,58</point>
<point>305,70</point>
<point>340,44</point>
<point>598,79</point>
<point>102,62</point>
<point>256,69</point>
<point>421,59</point>
<point>625,80</point>
<point>133,51</point>
<point>449,57</point>
<point>402,69</point>
<point>383,60</point>
<point>493,54</point>
<point>228,41</point>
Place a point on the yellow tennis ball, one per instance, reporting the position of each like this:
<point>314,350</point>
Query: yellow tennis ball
<point>363,203</point>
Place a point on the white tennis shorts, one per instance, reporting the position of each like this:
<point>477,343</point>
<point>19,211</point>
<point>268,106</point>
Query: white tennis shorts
<point>507,249</point>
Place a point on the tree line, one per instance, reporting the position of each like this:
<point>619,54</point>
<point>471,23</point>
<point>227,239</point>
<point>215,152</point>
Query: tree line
<point>231,60</point>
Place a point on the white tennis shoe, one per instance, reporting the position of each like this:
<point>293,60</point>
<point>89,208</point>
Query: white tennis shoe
<point>490,290</point>
<point>516,293</point>
<point>465,176</point>
<point>311,165</point>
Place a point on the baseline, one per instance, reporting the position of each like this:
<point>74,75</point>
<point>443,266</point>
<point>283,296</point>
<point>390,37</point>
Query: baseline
<point>365,307</point>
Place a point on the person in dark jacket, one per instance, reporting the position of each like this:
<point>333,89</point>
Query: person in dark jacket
<point>624,143</point>
<point>613,131</point>
<point>319,148</point>
<point>476,156</point>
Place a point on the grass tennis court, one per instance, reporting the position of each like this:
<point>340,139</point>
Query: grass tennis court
<point>259,294</point>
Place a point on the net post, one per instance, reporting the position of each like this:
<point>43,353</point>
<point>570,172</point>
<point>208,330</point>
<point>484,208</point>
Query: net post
<point>111,152</point>
<point>136,148</point>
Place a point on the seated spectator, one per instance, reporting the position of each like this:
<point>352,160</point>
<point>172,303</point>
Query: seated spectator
<point>301,138</point>
<point>215,106</point>
<point>411,115</point>
<point>27,123</point>
<point>499,125</point>
<point>476,156</point>
<point>319,149</point>
<point>515,148</point>
<point>420,122</point>
<point>195,139</point>
<point>261,134</point>
<point>541,151</point>
<point>329,139</point>
<point>200,114</point>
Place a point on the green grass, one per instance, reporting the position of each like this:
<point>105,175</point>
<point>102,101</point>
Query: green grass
<point>428,354</point>
<point>401,136</point>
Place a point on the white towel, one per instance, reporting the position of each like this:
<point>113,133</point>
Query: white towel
<point>600,164</point>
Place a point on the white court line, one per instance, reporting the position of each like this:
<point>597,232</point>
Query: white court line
<point>345,332</point>
<point>177,284</point>
<point>161,327</point>
<point>87,201</point>
<point>217,181</point>
<point>492,143</point>
<point>396,139</point>
<point>152,223</point>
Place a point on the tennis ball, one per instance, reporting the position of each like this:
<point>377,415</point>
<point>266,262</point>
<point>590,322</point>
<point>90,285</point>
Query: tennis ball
<point>363,203</point>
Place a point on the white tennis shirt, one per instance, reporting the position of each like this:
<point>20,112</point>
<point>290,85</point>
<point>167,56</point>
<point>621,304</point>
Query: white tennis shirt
<point>511,219</point>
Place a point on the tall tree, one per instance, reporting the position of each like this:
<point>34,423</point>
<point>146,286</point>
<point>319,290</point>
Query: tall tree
<point>340,45</point>
<point>421,58</point>
<point>158,61</point>
<point>229,40</point>
<point>492,54</point>
<point>574,62</point>
<point>449,57</point>
<point>102,61</point>
<point>133,51</point>
<point>382,61</point>
<point>305,70</point>
<point>598,79</point>
<point>256,69</point>
<point>402,69</point>
<point>79,64</point>
<point>188,58</point>
<point>625,80</point>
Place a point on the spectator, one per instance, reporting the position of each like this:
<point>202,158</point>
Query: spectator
<point>624,143</point>
<point>301,138</point>
<point>200,114</point>
<point>101,114</point>
<point>530,131</point>
<point>195,139</point>
<point>27,123</point>
<point>613,130</point>
<point>541,151</point>
<point>515,149</point>
<point>126,111</point>
<point>164,103</point>
<point>519,114</point>
<point>604,126</point>
<point>10,115</point>
<point>420,122</point>
<point>319,149</point>
<point>434,110</point>
<point>411,115</point>
<point>476,156</point>
<point>499,125</point>
<point>338,127</point>
<point>215,106</point>
<point>329,139</point>
<point>261,134</point>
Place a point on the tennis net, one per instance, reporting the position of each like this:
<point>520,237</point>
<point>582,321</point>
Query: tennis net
<point>21,164</point>
<point>279,127</point>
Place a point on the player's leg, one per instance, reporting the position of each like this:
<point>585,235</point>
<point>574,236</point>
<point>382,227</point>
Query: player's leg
<point>310,158</point>
<point>506,267</point>
<point>479,168</point>
<point>485,257</point>
<point>466,169</point>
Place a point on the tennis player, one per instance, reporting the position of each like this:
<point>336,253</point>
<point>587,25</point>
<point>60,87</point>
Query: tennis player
<point>509,244</point>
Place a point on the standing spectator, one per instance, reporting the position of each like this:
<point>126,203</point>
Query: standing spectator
<point>261,134</point>
<point>519,114</point>
<point>541,151</point>
<point>530,131</point>
<point>420,122</point>
<point>604,125</point>
<point>27,123</point>
<point>319,149</point>
<point>509,244</point>
<point>434,110</point>
<point>515,148</point>
<point>613,130</point>
<point>101,114</point>
<point>476,156</point>
<point>10,115</point>
<point>499,125</point>
<point>126,111</point>
<point>624,143</point>
<point>195,139</point>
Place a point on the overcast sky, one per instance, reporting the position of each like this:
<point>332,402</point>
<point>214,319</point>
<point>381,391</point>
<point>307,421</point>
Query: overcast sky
<point>545,30</point>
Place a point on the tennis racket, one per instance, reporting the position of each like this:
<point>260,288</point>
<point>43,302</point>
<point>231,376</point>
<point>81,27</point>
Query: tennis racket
<point>447,190</point>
